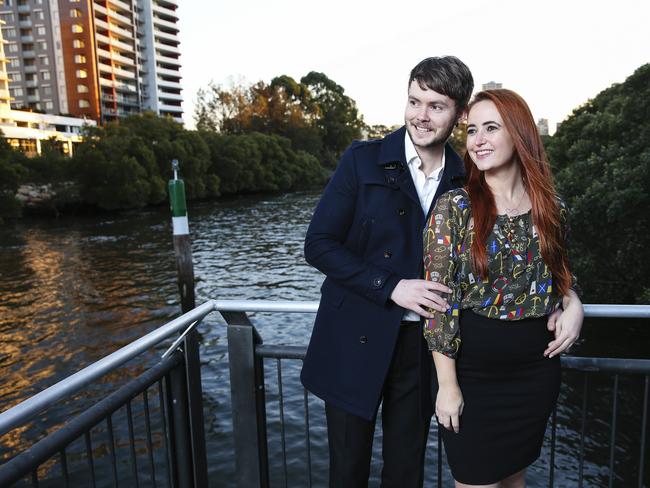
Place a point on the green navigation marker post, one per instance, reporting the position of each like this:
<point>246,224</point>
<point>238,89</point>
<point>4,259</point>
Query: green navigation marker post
<point>189,433</point>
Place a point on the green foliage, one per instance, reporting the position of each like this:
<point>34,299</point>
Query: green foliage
<point>315,114</point>
<point>12,174</point>
<point>601,156</point>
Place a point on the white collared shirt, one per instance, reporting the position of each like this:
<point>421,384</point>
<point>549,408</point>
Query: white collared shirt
<point>426,186</point>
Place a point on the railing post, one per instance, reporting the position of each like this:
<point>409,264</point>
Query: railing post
<point>179,427</point>
<point>248,403</point>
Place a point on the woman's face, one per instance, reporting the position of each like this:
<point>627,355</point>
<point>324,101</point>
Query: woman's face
<point>488,141</point>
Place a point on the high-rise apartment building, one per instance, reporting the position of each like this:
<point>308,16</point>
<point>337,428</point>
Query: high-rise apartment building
<point>100,59</point>
<point>491,85</point>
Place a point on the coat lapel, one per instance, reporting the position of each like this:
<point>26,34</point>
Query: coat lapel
<point>392,152</point>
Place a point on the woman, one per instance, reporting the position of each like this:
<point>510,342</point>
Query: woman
<point>499,245</point>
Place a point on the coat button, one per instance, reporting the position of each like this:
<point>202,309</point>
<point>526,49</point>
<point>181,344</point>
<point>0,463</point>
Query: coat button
<point>363,339</point>
<point>401,211</point>
<point>387,254</point>
<point>392,180</point>
<point>377,282</point>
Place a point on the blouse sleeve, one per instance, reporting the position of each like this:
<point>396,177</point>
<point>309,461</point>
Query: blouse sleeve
<point>443,239</point>
<point>565,222</point>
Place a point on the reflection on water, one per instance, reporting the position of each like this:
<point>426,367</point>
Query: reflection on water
<point>74,290</point>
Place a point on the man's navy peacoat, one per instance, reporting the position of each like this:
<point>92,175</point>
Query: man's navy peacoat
<point>365,236</point>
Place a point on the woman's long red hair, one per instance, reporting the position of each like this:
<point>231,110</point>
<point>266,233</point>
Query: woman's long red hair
<point>538,181</point>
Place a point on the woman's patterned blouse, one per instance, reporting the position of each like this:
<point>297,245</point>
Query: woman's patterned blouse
<point>518,286</point>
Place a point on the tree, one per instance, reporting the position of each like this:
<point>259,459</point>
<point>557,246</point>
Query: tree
<point>601,155</point>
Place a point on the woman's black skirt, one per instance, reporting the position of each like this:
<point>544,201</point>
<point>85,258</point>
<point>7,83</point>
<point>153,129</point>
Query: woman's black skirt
<point>509,389</point>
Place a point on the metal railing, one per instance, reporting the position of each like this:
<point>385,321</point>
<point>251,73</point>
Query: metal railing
<point>182,437</point>
<point>179,457</point>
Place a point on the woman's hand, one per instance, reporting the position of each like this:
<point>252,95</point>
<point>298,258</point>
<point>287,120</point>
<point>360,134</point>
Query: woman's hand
<point>449,407</point>
<point>567,326</point>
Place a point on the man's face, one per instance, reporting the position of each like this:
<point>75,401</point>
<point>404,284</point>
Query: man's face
<point>429,116</point>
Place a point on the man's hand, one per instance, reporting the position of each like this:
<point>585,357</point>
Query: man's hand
<point>418,295</point>
<point>566,325</point>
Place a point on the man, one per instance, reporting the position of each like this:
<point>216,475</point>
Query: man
<point>366,237</point>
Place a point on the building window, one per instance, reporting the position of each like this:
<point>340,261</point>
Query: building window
<point>38,2</point>
<point>79,58</point>
<point>84,104</point>
<point>47,91</point>
<point>78,43</point>
<point>7,17</point>
<point>42,45</point>
<point>40,30</point>
<point>44,60</point>
<point>39,15</point>
<point>77,28</point>
<point>45,75</point>
<point>14,63</point>
<point>82,73</point>
<point>16,92</point>
<point>10,33</point>
<point>75,13</point>
<point>49,105</point>
<point>12,48</point>
<point>82,89</point>
<point>15,77</point>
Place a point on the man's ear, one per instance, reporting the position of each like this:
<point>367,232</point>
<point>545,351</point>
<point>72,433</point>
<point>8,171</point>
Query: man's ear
<point>462,117</point>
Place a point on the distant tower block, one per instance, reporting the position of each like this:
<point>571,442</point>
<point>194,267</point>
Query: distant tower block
<point>492,85</point>
<point>542,127</point>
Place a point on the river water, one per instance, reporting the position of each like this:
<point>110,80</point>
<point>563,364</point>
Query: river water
<point>76,289</point>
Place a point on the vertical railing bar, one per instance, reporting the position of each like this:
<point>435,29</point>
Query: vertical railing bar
<point>35,478</point>
<point>551,477</point>
<point>307,437</point>
<point>439,441</point>
<point>644,427</point>
<point>134,462</point>
<point>613,423</point>
<point>89,454</point>
<point>111,446</point>
<point>64,467</point>
<point>163,412</point>
<point>147,422</point>
<point>282,432</point>
<point>583,427</point>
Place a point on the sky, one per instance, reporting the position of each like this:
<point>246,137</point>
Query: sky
<point>556,54</point>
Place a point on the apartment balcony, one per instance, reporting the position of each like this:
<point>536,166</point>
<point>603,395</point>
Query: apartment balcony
<point>165,35</point>
<point>29,54</point>
<point>172,97</point>
<point>157,21</point>
<point>24,24</point>
<point>168,7</point>
<point>24,9</point>
<point>114,43</point>
<point>123,19</point>
<point>170,108</point>
<point>169,85</point>
<point>31,83</point>
<point>27,38</point>
<point>115,56</point>
<point>30,69</point>
<point>166,48</point>
<point>33,98</point>
<point>120,5</point>
<point>168,72</point>
<point>118,85</point>
<point>160,58</point>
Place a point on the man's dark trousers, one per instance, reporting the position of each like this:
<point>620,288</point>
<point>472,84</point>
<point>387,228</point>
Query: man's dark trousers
<point>404,430</point>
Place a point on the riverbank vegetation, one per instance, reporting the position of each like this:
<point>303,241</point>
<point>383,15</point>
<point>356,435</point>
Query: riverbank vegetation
<point>288,135</point>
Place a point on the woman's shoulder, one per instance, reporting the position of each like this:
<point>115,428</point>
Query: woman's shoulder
<point>455,199</point>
